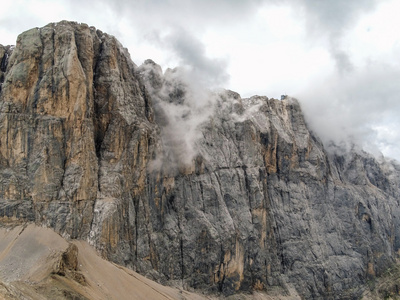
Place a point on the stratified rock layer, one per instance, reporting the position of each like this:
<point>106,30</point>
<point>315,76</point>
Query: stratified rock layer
<point>262,206</point>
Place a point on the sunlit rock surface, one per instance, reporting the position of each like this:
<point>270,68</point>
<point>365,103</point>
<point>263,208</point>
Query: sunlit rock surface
<point>260,205</point>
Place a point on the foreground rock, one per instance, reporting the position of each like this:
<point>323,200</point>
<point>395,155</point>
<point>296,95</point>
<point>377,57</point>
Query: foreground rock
<point>259,206</point>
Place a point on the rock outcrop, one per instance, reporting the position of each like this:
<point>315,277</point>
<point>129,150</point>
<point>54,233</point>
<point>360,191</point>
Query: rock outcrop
<point>260,206</point>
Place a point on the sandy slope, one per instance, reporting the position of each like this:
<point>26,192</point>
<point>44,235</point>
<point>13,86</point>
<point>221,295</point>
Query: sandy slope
<point>109,281</point>
<point>36,263</point>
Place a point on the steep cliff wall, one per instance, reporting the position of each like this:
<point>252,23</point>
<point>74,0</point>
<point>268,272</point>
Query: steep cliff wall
<point>260,206</point>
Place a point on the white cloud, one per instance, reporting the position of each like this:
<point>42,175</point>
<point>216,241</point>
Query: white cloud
<point>359,108</point>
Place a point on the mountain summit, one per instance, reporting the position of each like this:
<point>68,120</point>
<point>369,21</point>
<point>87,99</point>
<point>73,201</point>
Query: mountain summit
<point>248,201</point>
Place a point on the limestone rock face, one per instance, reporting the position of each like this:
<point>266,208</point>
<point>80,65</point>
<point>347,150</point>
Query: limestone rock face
<point>260,206</point>
<point>75,132</point>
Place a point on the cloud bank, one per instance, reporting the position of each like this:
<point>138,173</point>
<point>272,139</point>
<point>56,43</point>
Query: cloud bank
<point>358,109</point>
<point>332,19</point>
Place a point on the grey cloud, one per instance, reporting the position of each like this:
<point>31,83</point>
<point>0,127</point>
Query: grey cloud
<point>185,99</point>
<point>342,59</point>
<point>331,19</point>
<point>187,12</point>
<point>360,108</point>
<point>181,108</point>
<point>335,16</point>
<point>208,72</point>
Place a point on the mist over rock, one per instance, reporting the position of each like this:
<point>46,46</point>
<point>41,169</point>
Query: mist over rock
<point>194,188</point>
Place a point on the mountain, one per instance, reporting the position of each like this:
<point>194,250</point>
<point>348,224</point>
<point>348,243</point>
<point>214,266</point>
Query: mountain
<point>231,196</point>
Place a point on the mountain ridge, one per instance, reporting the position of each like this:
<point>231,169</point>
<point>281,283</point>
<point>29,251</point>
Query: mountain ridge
<point>88,148</point>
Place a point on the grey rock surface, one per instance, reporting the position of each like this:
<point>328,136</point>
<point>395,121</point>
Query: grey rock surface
<point>87,148</point>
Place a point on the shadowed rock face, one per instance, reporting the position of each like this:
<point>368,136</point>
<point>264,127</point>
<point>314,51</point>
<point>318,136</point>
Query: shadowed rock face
<point>262,206</point>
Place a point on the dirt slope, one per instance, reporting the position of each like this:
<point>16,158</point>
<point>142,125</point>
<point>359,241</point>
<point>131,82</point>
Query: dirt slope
<point>36,264</point>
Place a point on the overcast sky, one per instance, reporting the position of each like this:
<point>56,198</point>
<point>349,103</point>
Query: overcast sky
<point>340,58</point>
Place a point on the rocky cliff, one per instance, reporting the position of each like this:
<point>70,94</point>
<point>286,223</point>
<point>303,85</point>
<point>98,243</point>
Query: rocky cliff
<point>87,149</point>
